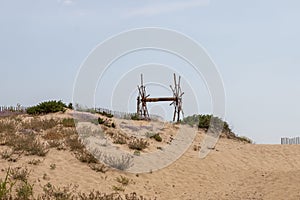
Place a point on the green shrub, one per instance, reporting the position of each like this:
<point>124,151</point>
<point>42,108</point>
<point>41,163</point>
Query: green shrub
<point>70,106</point>
<point>46,107</point>
<point>100,120</point>
<point>156,137</point>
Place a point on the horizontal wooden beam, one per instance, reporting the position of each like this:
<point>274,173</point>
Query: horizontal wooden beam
<point>159,99</point>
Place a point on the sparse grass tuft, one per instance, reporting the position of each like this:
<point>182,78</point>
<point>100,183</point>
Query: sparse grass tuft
<point>122,162</point>
<point>118,188</point>
<point>98,167</point>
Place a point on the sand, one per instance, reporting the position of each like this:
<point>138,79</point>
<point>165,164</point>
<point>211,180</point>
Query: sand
<point>233,170</point>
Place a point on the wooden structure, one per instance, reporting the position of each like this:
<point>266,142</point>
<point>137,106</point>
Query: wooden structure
<point>143,98</point>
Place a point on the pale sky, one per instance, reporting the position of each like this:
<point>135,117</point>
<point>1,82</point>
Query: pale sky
<point>255,45</point>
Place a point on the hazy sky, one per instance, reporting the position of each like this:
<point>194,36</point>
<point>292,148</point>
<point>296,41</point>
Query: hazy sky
<point>255,45</point>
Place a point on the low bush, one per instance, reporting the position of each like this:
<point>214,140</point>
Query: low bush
<point>47,107</point>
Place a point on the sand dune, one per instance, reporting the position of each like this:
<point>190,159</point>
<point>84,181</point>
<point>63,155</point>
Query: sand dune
<point>233,170</point>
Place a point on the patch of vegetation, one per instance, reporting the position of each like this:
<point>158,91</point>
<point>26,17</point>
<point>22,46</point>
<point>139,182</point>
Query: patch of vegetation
<point>86,157</point>
<point>24,191</point>
<point>119,139</point>
<point>34,162</point>
<point>53,166</point>
<point>47,107</point>
<point>52,192</point>
<point>123,180</point>
<point>26,143</point>
<point>6,187</point>
<point>37,124</point>
<point>70,106</point>
<point>98,167</point>
<point>138,144</point>
<point>75,144</point>
<point>244,139</point>
<point>100,120</point>
<point>118,188</point>
<point>68,122</point>
<point>122,162</point>
<point>137,153</point>
<point>135,116</point>
<point>19,173</point>
<point>156,137</point>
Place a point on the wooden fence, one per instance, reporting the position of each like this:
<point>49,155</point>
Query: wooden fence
<point>12,109</point>
<point>295,140</point>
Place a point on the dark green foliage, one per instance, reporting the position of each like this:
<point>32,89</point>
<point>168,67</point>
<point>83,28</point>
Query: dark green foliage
<point>157,137</point>
<point>113,125</point>
<point>46,107</point>
<point>205,121</point>
<point>100,120</point>
<point>70,106</point>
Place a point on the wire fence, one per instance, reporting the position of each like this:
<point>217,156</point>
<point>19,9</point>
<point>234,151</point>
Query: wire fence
<point>295,140</point>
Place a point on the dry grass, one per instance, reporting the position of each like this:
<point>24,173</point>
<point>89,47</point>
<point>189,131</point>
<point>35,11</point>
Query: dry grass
<point>138,144</point>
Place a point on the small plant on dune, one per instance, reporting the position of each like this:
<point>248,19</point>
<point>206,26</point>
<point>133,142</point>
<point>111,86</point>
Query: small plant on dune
<point>47,107</point>
<point>85,157</point>
<point>75,144</point>
<point>138,144</point>
<point>123,180</point>
<point>98,167</point>
<point>100,120</point>
<point>34,162</point>
<point>137,153</point>
<point>52,192</point>
<point>118,188</point>
<point>53,166</point>
<point>119,139</point>
<point>19,173</point>
<point>156,137</point>
<point>122,162</point>
<point>7,154</point>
